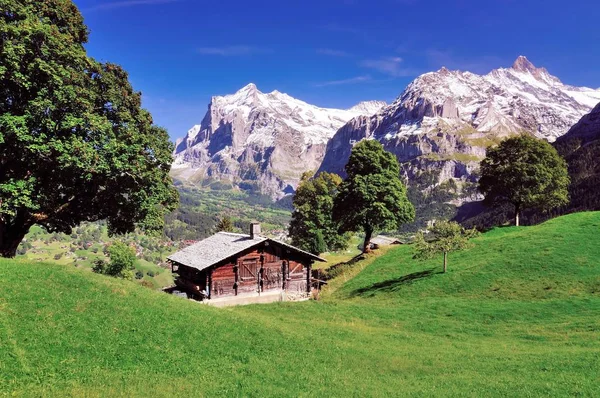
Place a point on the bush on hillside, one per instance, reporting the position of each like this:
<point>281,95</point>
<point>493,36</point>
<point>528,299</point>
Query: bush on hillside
<point>121,265</point>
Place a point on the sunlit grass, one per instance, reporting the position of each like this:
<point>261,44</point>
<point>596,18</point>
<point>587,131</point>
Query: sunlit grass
<point>517,315</point>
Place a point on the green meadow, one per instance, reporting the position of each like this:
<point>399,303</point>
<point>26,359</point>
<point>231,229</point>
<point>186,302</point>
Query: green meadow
<point>518,314</point>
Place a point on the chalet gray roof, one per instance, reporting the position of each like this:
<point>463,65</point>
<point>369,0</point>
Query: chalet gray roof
<point>221,246</point>
<point>383,240</point>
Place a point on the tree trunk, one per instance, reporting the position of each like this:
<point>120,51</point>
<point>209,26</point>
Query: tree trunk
<point>517,211</point>
<point>10,239</point>
<point>445,261</point>
<point>368,235</point>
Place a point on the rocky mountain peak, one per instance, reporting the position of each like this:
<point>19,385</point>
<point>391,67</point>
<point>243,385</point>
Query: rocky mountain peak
<point>443,121</point>
<point>246,95</point>
<point>522,64</point>
<point>250,87</point>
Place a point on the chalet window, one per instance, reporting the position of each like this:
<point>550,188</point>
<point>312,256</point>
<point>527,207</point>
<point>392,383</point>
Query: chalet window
<point>249,270</point>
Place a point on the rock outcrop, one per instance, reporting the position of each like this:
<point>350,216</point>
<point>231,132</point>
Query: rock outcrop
<point>586,129</point>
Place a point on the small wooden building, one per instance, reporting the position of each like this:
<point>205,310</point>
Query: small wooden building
<point>228,265</point>
<point>382,240</point>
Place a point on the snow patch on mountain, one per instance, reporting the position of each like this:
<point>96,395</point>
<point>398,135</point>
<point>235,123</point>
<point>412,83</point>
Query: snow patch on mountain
<point>522,97</point>
<point>367,108</point>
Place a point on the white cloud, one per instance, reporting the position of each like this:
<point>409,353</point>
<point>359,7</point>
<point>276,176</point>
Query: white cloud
<point>352,80</point>
<point>389,65</point>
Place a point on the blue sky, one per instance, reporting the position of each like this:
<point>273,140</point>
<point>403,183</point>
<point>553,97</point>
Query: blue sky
<point>332,53</point>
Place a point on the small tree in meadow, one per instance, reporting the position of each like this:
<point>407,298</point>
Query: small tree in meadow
<point>444,237</point>
<point>121,264</point>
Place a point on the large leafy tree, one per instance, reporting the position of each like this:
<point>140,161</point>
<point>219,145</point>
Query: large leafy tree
<point>525,172</point>
<point>75,144</point>
<point>372,197</point>
<point>312,227</point>
<point>444,237</point>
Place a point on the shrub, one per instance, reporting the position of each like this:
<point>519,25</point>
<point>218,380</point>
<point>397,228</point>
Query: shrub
<point>121,265</point>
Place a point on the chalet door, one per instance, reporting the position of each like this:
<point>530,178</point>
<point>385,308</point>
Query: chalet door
<point>249,270</point>
<point>295,274</point>
<point>296,271</point>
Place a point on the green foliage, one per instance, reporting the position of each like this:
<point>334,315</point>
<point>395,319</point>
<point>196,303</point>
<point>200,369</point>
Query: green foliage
<point>312,227</point>
<point>121,264</point>
<point>372,197</point>
<point>225,225</point>
<point>526,172</point>
<point>75,144</point>
<point>432,201</point>
<point>444,237</point>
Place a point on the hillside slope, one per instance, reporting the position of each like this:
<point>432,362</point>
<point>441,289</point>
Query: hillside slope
<point>519,314</point>
<point>554,260</point>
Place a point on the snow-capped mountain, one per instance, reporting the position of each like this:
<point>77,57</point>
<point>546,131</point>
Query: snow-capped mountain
<point>506,100</point>
<point>263,140</point>
<point>367,107</point>
<point>444,120</point>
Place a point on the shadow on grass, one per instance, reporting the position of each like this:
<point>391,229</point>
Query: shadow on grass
<point>393,284</point>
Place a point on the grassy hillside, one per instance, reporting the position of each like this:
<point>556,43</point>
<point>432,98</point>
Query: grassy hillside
<point>89,242</point>
<point>519,314</point>
<point>558,259</point>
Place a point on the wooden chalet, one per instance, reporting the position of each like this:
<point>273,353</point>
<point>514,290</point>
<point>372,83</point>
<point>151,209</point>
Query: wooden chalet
<point>236,266</point>
<point>382,240</point>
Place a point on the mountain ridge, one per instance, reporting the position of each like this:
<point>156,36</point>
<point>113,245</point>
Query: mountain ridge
<point>264,141</point>
<point>440,124</point>
<point>444,120</point>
